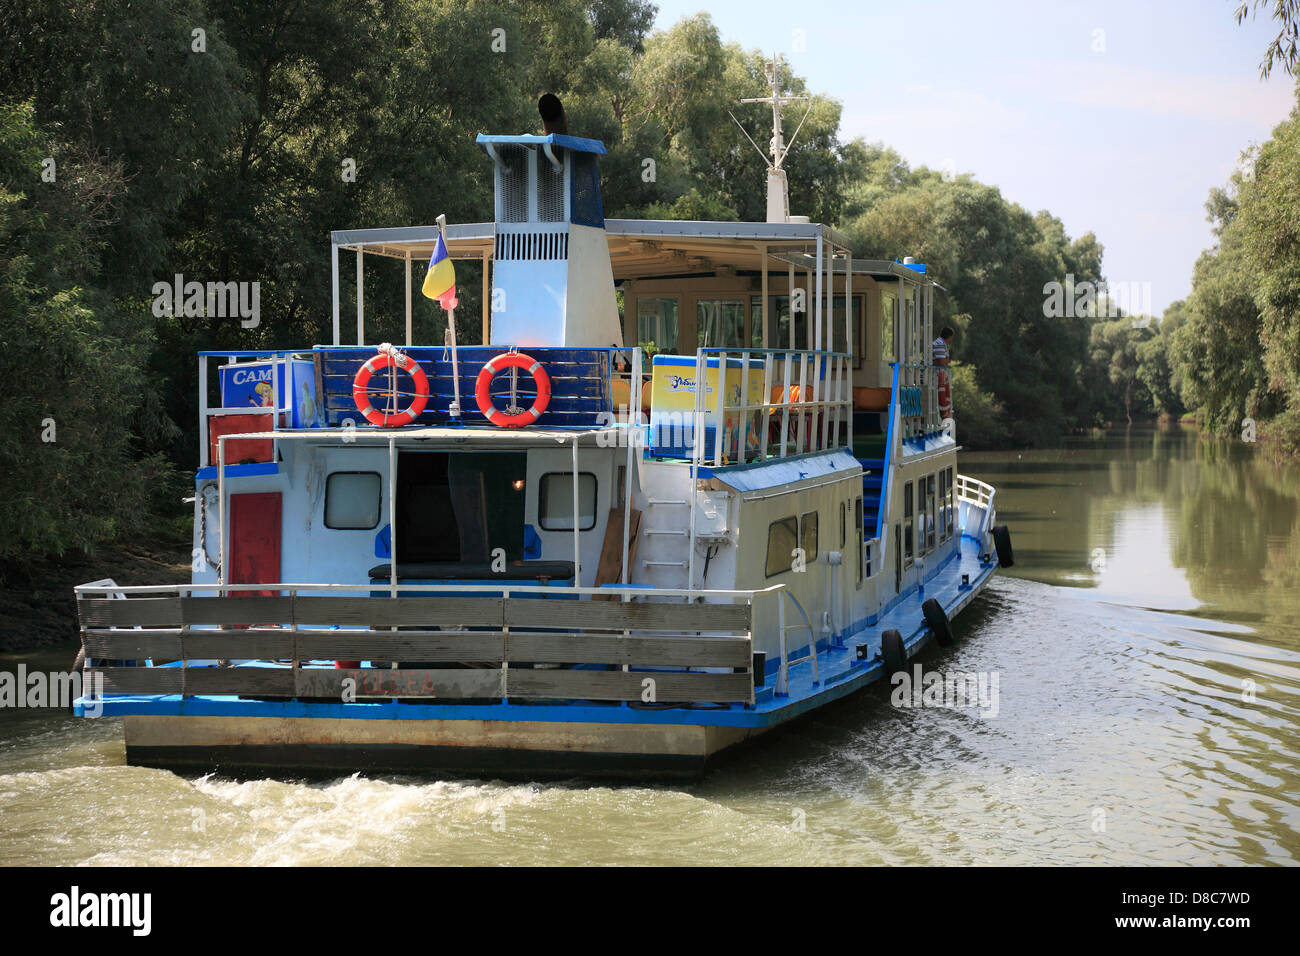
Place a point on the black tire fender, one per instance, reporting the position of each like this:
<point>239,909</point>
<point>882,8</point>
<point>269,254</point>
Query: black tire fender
<point>938,622</point>
<point>1002,542</point>
<point>893,651</point>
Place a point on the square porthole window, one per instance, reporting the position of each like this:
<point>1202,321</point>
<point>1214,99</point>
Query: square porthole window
<point>555,501</point>
<point>352,500</point>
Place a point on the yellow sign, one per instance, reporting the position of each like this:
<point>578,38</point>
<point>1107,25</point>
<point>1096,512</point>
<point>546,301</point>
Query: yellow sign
<point>672,408</point>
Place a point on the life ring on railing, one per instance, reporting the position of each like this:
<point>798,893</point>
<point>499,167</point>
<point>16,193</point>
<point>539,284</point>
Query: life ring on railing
<point>387,356</point>
<point>512,360</point>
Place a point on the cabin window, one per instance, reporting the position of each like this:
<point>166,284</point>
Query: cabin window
<point>949,512</point>
<point>928,516</point>
<point>912,340</point>
<point>657,325</point>
<point>908,524</point>
<point>352,500</point>
<point>782,538</point>
<point>778,323</point>
<point>843,530</point>
<point>860,533</point>
<point>839,339</point>
<point>720,323</point>
<point>555,501</point>
<point>808,536</point>
<point>945,485</point>
<point>888,303</point>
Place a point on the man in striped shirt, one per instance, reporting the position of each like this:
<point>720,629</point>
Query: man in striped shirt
<point>940,353</point>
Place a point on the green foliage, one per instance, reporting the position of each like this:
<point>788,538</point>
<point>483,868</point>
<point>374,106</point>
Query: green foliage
<point>1115,348</point>
<point>1156,370</point>
<point>996,261</point>
<point>72,360</point>
<point>1268,221</point>
<point>979,416</point>
<point>1216,351</point>
<point>1281,435</point>
<point>1284,50</point>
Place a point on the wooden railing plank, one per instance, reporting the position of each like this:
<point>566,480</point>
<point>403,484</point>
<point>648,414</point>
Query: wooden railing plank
<point>130,645</point>
<point>449,683</point>
<point>136,680</point>
<point>629,685</point>
<point>243,681</point>
<point>399,612</point>
<point>400,646</point>
<point>243,609</point>
<point>636,651</point>
<point>251,644</point>
<point>117,612</point>
<point>633,616</point>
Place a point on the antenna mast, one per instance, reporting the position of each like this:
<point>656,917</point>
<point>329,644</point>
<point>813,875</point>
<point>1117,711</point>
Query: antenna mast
<point>778,189</point>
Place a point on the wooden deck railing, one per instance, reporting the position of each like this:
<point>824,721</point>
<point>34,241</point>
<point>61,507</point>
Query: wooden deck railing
<point>465,647</point>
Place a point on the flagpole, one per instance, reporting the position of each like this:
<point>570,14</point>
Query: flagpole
<point>454,410</point>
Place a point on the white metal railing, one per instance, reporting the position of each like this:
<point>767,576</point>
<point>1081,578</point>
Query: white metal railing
<point>783,674</point>
<point>979,495</point>
<point>918,395</point>
<point>813,386</point>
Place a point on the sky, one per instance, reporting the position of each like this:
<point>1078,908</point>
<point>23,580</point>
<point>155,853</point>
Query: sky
<point>1117,116</point>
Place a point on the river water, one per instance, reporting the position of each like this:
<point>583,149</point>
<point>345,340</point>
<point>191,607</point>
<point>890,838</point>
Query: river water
<point>1147,650</point>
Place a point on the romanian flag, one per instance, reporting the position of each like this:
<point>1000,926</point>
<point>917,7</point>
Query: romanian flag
<point>440,281</point>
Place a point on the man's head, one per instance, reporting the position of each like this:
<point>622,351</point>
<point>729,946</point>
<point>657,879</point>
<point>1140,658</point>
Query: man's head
<point>946,333</point>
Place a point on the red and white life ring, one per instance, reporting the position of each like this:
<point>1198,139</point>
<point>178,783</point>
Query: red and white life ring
<point>512,360</point>
<point>385,358</point>
<point>945,393</point>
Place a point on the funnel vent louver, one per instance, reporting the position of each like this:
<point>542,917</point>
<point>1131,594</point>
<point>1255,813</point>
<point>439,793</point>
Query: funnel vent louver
<point>550,193</point>
<point>514,184</point>
<point>533,246</point>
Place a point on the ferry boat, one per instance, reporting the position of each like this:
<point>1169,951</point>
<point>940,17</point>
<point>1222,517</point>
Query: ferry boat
<point>695,480</point>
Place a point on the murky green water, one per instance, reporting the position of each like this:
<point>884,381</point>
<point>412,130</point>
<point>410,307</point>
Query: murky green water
<point>1156,583</point>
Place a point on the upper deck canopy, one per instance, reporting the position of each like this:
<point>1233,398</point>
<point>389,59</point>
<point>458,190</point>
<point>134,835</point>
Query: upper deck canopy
<point>641,248</point>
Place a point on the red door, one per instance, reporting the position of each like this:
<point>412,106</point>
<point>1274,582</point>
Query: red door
<point>255,540</point>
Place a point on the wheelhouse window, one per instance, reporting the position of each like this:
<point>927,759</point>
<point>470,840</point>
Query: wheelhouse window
<point>888,306</point>
<point>909,519</point>
<point>841,343</point>
<point>352,500</point>
<point>782,538</point>
<point>555,501</point>
<point>720,323</point>
<point>859,533</point>
<point>778,326</point>
<point>656,321</point>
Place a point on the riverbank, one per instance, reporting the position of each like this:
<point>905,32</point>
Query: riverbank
<point>37,607</point>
